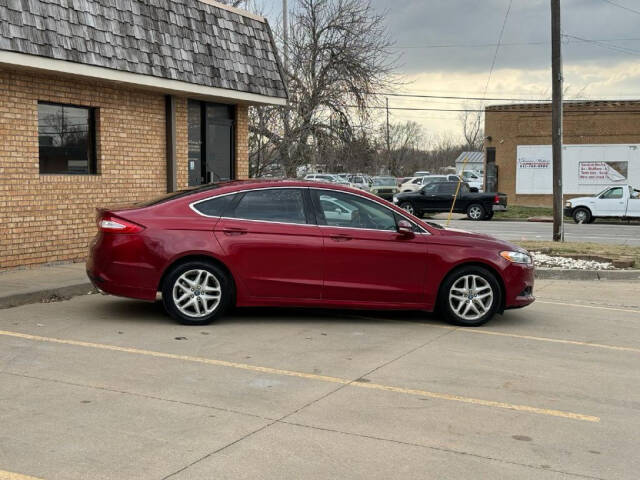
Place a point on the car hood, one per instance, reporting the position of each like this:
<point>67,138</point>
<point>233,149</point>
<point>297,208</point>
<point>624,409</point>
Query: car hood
<point>580,199</point>
<point>455,236</point>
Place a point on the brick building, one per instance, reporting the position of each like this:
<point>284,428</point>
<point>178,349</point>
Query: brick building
<point>598,136</point>
<point>106,102</point>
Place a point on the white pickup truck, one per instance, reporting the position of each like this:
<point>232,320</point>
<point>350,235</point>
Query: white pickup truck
<point>622,201</point>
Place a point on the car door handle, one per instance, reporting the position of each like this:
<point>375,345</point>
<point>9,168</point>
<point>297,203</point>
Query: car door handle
<point>234,231</point>
<point>340,238</point>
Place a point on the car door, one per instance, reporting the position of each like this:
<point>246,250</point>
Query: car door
<point>444,196</point>
<point>273,243</point>
<point>365,258</point>
<point>633,205</point>
<point>611,203</point>
<point>425,198</point>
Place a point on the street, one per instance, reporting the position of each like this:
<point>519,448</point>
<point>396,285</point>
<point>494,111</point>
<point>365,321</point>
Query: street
<point>618,234</point>
<point>102,387</point>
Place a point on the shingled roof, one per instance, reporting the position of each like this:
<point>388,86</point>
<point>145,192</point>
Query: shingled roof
<point>186,40</point>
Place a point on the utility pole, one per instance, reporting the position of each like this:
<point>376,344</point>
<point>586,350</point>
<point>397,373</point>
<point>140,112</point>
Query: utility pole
<point>388,141</point>
<point>556,121</point>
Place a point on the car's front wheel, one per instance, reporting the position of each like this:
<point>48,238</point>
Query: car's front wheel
<point>408,207</point>
<point>581,215</point>
<point>470,296</point>
<point>196,293</point>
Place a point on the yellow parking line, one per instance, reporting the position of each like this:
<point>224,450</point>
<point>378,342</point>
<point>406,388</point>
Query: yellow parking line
<point>589,306</point>
<point>552,340</point>
<point>309,376</point>
<point>15,476</point>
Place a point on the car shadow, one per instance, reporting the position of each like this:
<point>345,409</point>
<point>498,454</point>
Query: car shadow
<point>153,313</point>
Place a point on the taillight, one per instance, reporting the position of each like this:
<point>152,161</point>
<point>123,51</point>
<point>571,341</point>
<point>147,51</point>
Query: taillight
<point>118,225</point>
<point>496,199</point>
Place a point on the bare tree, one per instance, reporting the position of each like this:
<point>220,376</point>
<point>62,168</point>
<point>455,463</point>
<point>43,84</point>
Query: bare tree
<point>472,128</point>
<point>338,56</point>
<point>405,139</point>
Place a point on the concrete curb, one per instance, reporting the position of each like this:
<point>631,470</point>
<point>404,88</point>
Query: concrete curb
<point>38,296</point>
<point>620,275</point>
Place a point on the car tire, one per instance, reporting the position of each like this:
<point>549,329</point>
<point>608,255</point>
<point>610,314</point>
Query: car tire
<point>581,215</point>
<point>408,207</point>
<point>476,212</point>
<point>453,301</point>
<point>209,292</point>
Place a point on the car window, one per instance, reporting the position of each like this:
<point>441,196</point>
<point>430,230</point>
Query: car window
<point>345,210</point>
<point>271,205</point>
<point>214,207</point>
<point>446,188</point>
<point>464,188</point>
<point>430,187</point>
<point>613,193</point>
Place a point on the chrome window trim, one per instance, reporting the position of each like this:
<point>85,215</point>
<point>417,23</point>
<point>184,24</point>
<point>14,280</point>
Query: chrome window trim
<point>193,204</point>
<point>422,232</point>
<point>192,207</point>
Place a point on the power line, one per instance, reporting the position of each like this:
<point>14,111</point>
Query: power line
<point>452,97</point>
<point>495,55</point>
<point>622,6</point>
<point>503,44</point>
<point>609,46</point>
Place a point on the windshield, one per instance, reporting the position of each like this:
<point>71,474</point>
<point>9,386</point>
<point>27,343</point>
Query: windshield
<point>384,181</point>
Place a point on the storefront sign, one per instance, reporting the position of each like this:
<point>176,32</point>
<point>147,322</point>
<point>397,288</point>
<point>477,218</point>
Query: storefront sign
<point>602,173</point>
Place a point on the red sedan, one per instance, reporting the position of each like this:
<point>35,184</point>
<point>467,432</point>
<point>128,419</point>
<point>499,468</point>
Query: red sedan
<point>304,244</point>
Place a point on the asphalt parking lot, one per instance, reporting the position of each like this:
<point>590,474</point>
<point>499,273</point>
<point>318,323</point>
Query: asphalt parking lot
<point>100,387</point>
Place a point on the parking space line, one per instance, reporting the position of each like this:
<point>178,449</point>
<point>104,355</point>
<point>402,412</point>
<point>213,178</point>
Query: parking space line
<point>552,340</point>
<point>15,476</point>
<point>613,309</point>
<point>309,376</point>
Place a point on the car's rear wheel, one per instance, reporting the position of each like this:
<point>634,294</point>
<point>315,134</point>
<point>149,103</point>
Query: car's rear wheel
<point>197,293</point>
<point>476,212</point>
<point>408,207</point>
<point>470,296</point>
<point>581,215</point>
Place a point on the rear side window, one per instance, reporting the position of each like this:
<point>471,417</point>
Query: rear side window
<point>214,207</point>
<point>276,205</point>
<point>446,188</point>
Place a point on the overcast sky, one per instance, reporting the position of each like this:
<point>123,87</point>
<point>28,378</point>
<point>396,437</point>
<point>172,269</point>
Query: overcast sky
<point>446,47</point>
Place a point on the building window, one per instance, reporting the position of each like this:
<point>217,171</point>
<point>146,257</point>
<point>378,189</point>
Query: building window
<point>66,135</point>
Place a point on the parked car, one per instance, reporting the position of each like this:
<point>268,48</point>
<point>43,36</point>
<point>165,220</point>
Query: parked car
<point>321,177</point>
<point>411,185</point>
<point>438,196</point>
<point>416,183</point>
<point>622,201</point>
<point>361,181</point>
<point>401,180</point>
<point>277,243</point>
<point>474,179</point>
<point>384,187</point>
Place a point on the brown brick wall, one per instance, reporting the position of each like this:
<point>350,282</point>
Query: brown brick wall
<point>242,142</point>
<point>49,218</point>
<point>508,129</point>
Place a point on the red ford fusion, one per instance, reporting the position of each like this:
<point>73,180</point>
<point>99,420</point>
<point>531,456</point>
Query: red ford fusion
<point>303,244</point>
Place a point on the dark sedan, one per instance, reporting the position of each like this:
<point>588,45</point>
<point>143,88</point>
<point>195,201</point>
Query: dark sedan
<point>292,243</point>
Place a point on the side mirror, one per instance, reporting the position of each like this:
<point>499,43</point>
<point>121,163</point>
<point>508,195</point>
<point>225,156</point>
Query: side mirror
<point>405,227</point>
<point>473,189</point>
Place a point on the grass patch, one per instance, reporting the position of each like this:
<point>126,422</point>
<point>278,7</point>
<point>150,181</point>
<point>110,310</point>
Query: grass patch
<point>579,248</point>
<point>520,211</point>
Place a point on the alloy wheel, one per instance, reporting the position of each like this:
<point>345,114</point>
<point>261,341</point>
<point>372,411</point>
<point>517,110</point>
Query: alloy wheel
<point>407,207</point>
<point>197,293</point>
<point>475,212</point>
<point>470,297</point>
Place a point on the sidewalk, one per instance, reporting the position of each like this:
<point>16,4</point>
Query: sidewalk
<point>19,287</point>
